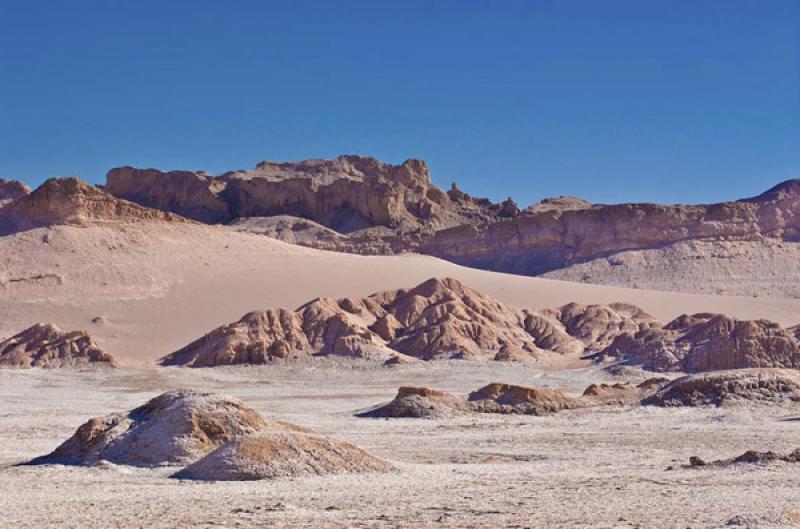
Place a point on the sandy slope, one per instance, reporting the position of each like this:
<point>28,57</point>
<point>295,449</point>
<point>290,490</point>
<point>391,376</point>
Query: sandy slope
<point>747,268</point>
<point>159,286</point>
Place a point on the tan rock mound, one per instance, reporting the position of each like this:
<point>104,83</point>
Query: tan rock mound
<point>708,342</point>
<point>751,456</point>
<point>508,398</point>
<point>621,393</point>
<point>45,345</point>
<point>270,455</point>
<point>421,403</point>
<point>177,427</point>
<point>71,201</point>
<point>756,386</point>
<point>493,398</point>
<point>440,318</point>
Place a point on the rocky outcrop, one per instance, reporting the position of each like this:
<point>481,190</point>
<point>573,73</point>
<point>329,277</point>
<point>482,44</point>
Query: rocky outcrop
<point>755,386</point>
<point>493,398</point>
<point>440,318</point>
<point>543,239</point>
<point>11,190</point>
<point>751,456</point>
<point>352,195</point>
<point>271,455</point>
<point>707,342</point>
<point>346,194</point>
<point>45,345</point>
<point>71,201</point>
<point>175,428</point>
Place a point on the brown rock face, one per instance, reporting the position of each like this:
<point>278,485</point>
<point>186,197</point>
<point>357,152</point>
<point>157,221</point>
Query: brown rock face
<point>71,201</point>
<point>759,386</point>
<point>543,239</point>
<point>353,195</point>
<point>493,398</point>
<point>346,194</point>
<point>176,427</point>
<point>45,345</point>
<point>11,190</point>
<point>708,342</point>
<point>440,318</point>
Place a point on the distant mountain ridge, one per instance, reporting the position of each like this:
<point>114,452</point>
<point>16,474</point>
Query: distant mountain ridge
<point>361,205</point>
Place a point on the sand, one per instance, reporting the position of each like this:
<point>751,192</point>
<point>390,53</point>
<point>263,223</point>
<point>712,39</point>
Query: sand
<point>146,290</point>
<point>579,468</point>
<point>157,287</point>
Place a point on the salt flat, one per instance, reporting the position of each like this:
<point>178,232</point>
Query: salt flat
<point>582,468</point>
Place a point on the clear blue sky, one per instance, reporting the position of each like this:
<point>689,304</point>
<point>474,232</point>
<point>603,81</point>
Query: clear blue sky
<point>671,101</point>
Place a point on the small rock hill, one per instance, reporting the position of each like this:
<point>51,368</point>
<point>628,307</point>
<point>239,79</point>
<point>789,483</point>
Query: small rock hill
<point>440,318</point>
<point>45,345</point>
<point>758,386</point>
<point>751,457</point>
<point>493,398</point>
<point>417,402</point>
<point>220,438</point>
<point>271,455</point>
<point>175,428</point>
<point>71,201</point>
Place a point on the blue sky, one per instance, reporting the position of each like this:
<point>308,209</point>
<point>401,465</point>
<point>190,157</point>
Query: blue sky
<point>669,101</point>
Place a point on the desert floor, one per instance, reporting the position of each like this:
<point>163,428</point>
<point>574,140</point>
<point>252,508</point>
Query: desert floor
<point>585,468</point>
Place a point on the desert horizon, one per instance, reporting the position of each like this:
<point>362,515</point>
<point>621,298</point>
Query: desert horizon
<point>502,265</point>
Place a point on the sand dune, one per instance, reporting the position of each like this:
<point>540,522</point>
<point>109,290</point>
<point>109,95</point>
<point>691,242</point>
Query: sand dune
<point>144,290</point>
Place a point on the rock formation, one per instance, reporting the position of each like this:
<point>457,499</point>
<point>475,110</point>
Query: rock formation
<point>757,386</point>
<point>751,456</point>
<point>11,190</point>
<point>270,455</point>
<point>220,438</point>
<point>625,394</point>
<point>708,342</point>
<point>175,428</point>
<point>345,194</point>
<point>543,239</point>
<point>493,398</point>
<point>352,196</point>
<point>71,201</point>
<point>45,345</point>
<point>440,318</point>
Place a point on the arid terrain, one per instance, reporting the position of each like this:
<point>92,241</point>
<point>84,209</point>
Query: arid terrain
<point>521,401</point>
<point>581,468</point>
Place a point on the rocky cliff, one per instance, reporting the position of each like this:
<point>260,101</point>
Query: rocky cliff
<point>361,205</point>
<point>540,240</point>
<point>346,194</point>
<point>11,190</point>
<point>71,201</point>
